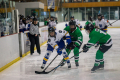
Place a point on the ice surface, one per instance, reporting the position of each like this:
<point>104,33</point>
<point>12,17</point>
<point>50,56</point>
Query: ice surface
<point>24,69</point>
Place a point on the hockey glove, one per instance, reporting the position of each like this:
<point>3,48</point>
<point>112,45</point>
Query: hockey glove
<point>71,45</point>
<point>66,25</point>
<point>85,48</point>
<point>59,51</point>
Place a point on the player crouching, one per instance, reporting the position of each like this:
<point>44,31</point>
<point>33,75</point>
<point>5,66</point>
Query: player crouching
<point>105,42</point>
<point>55,41</point>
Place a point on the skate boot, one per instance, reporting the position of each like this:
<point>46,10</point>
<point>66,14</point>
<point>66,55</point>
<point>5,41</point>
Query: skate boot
<point>101,66</point>
<point>69,65</point>
<point>77,64</point>
<point>94,69</point>
<point>63,63</point>
<point>43,65</point>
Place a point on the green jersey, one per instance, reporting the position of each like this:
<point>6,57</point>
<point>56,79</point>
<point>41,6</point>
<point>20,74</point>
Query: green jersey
<point>98,35</point>
<point>45,23</point>
<point>76,35</point>
<point>89,22</point>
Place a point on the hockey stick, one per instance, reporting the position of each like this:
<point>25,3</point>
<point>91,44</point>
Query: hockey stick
<point>63,59</point>
<point>43,72</point>
<point>46,67</point>
<point>113,22</point>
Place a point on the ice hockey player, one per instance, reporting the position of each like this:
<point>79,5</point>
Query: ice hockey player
<point>55,41</point>
<point>77,22</point>
<point>105,42</point>
<point>106,20</point>
<point>101,24</point>
<point>90,21</point>
<point>52,23</point>
<point>77,39</point>
<point>27,23</point>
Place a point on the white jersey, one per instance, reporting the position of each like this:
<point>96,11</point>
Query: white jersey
<point>22,26</point>
<point>52,24</point>
<point>78,23</point>
<point>28,25</point>
<point>101,24</point>
<point>59,35</point>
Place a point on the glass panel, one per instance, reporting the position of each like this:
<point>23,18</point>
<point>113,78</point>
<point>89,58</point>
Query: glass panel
<point>105,12</point>
<point>119,12</point>
<point>67,1</point>
<point>70,1</point>
<point>76,13</point>
<point>6,26</point>
<point>109,0</point>
<point>96,11</point>
<point>81,16</point>
<point>41,19</point>
<point>88,13</point>
<point>62,1</point>
<point>65,14</point>
<point>71,12</point>
<point>91,0</point>
<point>113,13</point>
<point>46,14</point>
<point>59,16</point>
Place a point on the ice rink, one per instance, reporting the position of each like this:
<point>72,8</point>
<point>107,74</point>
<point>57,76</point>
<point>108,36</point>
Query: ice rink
<point>25,68</point>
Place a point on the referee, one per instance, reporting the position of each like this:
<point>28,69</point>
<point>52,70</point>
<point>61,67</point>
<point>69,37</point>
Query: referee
<point>34,36</point>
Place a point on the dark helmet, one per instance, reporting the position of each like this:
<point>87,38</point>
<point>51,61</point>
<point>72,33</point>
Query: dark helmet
<point>89,27</point>
<point>34,19</point>
<point>51,29</point>
<point>21,16</point>
<point>72,17</point>
<point>100,16</point>
<point>90,18</point>
<point>27,18</point>
<point>72,22</point>
<point>52,17</point>
<point>31,17</point>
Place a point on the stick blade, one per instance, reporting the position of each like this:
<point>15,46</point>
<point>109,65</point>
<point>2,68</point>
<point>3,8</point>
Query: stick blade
<point>43,72</point>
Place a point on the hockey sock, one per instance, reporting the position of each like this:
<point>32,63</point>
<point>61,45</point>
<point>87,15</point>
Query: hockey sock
<point>76,51</point>
<point>99,58</point>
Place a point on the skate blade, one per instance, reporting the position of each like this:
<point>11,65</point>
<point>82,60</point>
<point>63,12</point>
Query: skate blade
<point>93,71</point>
<point>101,68</point>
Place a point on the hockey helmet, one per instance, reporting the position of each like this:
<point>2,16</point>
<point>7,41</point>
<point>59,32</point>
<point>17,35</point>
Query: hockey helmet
<point>51,29</point>
<point>52,18</point>
<point>100,15</point>
<point>72,22</point>
<point>72,17</point>
<point>89,27</point>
